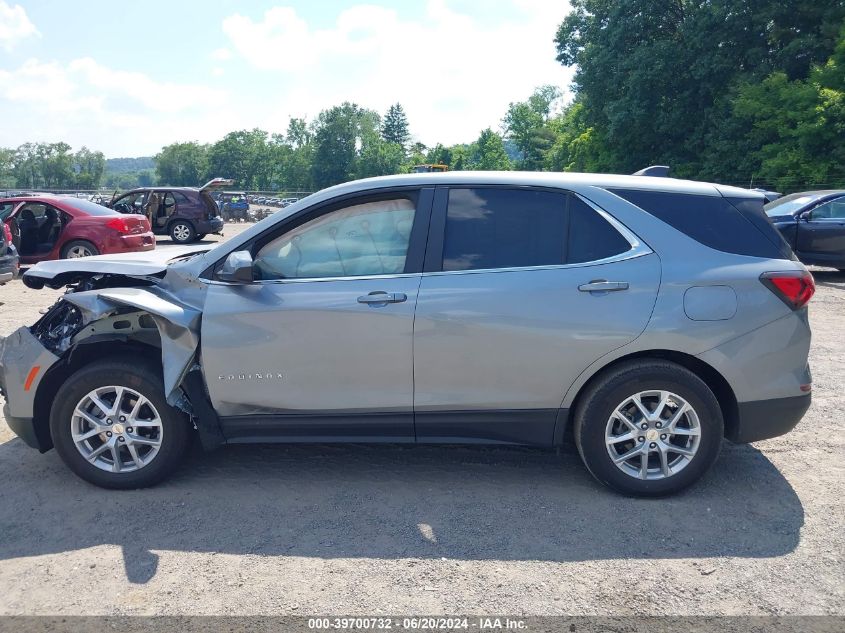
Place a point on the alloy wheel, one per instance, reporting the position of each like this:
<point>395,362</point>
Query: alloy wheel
<point>653,435</point>
<point>181,232</point>
<point>116,429</point>
<point>79,251</point>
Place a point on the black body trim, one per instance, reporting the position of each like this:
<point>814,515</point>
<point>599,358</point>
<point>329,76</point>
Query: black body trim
<point>764,419</point>
<point>522,426</point>
<point>24,428</point>
<point>320,427</point>
<point>530,426</point>
<point>205,417</point>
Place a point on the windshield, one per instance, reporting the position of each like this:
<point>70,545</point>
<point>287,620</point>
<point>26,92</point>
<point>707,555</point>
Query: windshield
<point>791,203</point>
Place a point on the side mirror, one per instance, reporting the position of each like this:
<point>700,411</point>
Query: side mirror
<point>806,216</point>
<point>237,268</point>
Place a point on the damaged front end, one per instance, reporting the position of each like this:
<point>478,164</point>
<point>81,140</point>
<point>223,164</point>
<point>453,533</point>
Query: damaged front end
<point>112,308</point>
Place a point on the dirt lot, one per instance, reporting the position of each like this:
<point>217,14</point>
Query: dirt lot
<point>369,530</point>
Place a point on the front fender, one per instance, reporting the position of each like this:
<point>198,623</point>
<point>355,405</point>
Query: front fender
<point>178,325</point>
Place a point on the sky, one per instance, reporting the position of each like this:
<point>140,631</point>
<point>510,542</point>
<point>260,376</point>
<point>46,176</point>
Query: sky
<point>127,78</point>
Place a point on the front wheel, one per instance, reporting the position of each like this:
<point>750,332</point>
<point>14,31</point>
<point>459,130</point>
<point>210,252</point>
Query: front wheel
<point>182,232</point>
<point>648,428</point>
<point>112,426</point>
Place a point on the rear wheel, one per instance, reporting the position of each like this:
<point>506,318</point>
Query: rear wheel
<point>182,232</point>
<point>79,248</point>
<point>648,428</point>
<point>112,426</point>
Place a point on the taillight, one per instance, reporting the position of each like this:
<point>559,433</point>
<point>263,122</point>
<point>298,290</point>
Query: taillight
<point>795,288</point>
<point>7,232</point>
<point>118,224</point>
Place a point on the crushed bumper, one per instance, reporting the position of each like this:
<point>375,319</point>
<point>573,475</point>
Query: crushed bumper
<point>23,363</point>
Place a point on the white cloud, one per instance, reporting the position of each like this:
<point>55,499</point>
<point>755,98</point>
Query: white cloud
<point>121,113</point>
<point>454,73</point>
<point>14,25</point>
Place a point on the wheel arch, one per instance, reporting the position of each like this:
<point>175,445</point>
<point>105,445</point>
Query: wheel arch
<point>80,355</point>
<point>711,377</point>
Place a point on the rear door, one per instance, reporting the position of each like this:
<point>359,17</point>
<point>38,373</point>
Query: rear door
<point>523,289</point>
<point>821,238</point>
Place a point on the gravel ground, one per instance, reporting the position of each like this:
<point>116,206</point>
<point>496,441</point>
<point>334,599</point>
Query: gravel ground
<point>435,530</point>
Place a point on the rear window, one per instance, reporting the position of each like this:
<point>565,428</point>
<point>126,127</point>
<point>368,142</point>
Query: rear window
<point>741,228</point>
<point>86,206</point>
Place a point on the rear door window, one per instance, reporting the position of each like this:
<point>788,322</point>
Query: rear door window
<point>591,237</point>
<point>504,228</point>
<point>490,228</point>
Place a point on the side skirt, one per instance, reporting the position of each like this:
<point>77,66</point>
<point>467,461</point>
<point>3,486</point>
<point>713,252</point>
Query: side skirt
<point>536,427</point>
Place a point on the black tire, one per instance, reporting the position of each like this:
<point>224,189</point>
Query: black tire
<point>201,236</point>
<point>142,377</point>
<point>70,247</point>
<point>611,389</point>
<point>182,232</point>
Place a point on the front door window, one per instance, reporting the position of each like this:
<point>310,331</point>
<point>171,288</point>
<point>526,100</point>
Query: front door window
<point>361,240</point>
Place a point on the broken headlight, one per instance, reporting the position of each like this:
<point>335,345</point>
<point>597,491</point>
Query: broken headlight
<point>56,328</point>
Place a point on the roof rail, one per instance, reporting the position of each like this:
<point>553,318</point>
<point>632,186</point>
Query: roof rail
<point>660,171</point>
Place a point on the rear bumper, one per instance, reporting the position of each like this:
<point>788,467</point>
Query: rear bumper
<point>212,225</point>
<point>135,243</point>
<point>764,419</point>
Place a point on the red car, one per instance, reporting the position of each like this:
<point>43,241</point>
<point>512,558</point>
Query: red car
<point>59,227</point>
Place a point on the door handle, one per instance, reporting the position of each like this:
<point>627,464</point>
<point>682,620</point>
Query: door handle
<point>383,297</point>
<point>602,285</point>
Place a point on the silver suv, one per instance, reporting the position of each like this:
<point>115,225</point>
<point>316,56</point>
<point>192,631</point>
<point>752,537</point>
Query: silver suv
<point>644,319</point>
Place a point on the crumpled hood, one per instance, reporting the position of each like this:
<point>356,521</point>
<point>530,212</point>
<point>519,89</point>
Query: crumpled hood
<point>144,264</point>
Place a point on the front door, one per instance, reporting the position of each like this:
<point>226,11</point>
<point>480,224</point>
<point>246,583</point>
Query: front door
<point>320,344</point>
<point>525,289</point>
<point>821,238</point>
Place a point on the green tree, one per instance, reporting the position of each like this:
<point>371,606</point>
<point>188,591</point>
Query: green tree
<point>242,155</point>
<point>7,168</point>
<point>577,146</point>
<point>489,152</point>
<point>395,126</point>
<point>526,123</point>
<point>339,134</point>
<point>795,128</point>
<point>656,76</point>
<point>89,167</point>
<point>182,164</point>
